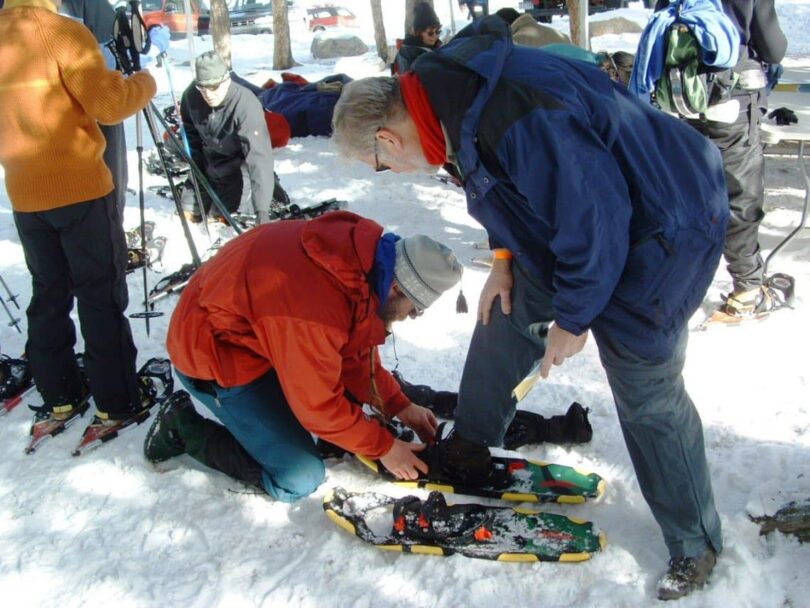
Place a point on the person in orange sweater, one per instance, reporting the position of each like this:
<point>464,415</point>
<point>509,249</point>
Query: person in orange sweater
<point>277,335</point>
<point>55,89</point>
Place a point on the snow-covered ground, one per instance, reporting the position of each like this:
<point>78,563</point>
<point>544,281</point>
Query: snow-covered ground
<point>111,529</point>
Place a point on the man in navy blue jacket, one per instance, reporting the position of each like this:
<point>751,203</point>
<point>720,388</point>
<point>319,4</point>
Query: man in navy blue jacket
<point>596,227</point>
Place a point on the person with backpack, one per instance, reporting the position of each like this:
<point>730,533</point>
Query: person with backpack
<point>762,44</point>
<point>424,37</point>
<point>595,230</point>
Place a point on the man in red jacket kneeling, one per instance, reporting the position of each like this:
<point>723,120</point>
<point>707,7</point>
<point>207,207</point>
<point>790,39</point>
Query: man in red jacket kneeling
<point>277,336</point>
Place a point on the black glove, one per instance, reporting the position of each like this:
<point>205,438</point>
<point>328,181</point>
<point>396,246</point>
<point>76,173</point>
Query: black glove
<point>784,116</point>
<point>528,427</point>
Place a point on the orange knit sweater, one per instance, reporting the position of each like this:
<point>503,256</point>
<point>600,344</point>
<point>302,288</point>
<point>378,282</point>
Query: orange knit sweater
<point>54,88</point>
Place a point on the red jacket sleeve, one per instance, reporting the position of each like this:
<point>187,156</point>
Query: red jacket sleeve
<point>306,356</point>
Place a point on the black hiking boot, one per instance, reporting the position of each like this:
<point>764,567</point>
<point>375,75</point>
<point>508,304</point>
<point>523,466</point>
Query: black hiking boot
<point>686,574</point>
<point>165,438</point>
<point>179,429</point>
<point>455,459</point>
<point>528,427</point>
<point>441,403</point>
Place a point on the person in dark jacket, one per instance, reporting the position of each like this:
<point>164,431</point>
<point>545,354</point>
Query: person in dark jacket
<point>594,229</point>
<point>424,37</point>
<point>762,44</point>
<point>226,130</point>
<point>277,335</point>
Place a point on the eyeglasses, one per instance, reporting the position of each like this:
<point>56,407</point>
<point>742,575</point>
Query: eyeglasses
<point>434,31</point>
<point>209,87</point>
<point>378,168</point>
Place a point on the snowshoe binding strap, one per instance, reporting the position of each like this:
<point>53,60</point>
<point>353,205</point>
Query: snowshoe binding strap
<point>433,519</point>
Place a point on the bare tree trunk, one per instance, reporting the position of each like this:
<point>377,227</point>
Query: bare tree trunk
<point>221,29</point>
<point>409,4</point>
<point>578,21</point>
<point>282,50</point>
<point>379,30</point>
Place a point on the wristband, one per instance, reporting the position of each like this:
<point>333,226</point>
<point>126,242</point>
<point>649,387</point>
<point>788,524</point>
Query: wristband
<point>502,254</point>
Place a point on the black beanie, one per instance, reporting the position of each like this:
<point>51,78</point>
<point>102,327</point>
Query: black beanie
<point>424,17</point>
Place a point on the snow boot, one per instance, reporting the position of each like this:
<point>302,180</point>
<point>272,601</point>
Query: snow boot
<point>179,429</point>
<point>528,427</point>
<point>686,574</point>
<point>455,459</point>
<point>441,403</point>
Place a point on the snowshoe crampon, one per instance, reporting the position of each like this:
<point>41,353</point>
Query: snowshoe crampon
<point>431,526</point>
<point>518,480</point>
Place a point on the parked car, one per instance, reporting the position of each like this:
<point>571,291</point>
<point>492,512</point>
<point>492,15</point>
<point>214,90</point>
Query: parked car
<point>544,10</point>
<point>172,14</point>
<point>320,18</point>
<point>247,17</point>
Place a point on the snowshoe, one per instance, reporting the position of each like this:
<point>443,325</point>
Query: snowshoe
<point>171,283</point>
<point>514,479</point>
<point>433,527</point>
<point>15,382</point>
<point>103,428</point>
<point>51,422</point>
<point>134,239</point>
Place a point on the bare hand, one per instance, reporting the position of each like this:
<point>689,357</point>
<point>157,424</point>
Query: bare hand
<point>421,420</point>
<point>499,283</point>
<point>561,344</point>
<point>401,460</point>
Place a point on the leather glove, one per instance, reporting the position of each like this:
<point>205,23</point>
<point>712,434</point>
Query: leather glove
<point>784,117</point>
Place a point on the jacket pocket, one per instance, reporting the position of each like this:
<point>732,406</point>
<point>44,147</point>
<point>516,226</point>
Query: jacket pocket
<point>667,275</point>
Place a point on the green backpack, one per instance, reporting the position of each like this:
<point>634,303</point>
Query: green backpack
<point>687,87</point>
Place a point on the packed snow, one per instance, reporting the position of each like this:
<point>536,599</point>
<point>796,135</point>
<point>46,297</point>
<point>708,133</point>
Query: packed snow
<point>109,528</point>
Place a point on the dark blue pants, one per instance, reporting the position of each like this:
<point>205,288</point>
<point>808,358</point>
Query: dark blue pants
<point>259,417</point>
<point>661,427</point>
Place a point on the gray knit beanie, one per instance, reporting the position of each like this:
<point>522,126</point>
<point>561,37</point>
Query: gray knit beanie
<point>210,69</point>
<point>424,269</point>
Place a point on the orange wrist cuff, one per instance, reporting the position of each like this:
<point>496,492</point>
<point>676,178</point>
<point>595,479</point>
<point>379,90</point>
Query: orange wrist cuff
<point>502,254</point>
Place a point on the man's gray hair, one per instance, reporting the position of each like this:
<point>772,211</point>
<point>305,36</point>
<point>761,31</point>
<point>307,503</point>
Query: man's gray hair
<point>364,106</point>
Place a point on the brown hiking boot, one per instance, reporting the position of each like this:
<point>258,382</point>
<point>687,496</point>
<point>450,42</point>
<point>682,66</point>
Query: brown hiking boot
<point>686,574</point>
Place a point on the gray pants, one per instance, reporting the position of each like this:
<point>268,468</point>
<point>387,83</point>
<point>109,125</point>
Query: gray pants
<point>661,427</point>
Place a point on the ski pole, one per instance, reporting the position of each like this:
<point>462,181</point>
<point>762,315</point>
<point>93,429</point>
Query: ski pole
<point>12,320</point>
<point>131,39</point>
<point>12,297</point>
<point>149,112</point>
<point>198,173</point>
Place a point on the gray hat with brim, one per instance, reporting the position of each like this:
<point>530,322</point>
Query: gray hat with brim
<point>424,269</point>
<point>210,69</point>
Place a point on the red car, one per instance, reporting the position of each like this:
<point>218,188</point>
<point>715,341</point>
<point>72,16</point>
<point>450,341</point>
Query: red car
<point>172,13</point>
<point>321,17</point>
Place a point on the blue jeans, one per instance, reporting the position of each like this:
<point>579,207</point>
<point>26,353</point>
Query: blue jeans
<point>259,417</point>
<point>661,427</point>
